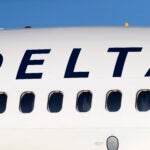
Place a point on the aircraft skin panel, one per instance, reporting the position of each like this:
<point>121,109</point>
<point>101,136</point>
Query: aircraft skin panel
<point>104,59</point>
<point>56,139</point>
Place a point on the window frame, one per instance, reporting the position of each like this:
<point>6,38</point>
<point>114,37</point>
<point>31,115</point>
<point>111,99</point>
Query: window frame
<point>137,94</point>
<point>107,95</point>
<point>6,101</point>
<point>78,95</point>
<point>26,92</point>
<point>49,95</point>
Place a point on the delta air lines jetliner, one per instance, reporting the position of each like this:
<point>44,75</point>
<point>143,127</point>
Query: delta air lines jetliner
<point>83,88</point>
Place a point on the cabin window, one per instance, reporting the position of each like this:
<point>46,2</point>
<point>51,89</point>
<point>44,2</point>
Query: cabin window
<point>84,100</point>
<point>55,101</point>
<point>143,100</point>
<point>27,102</point>
<point>3,102</point>
<point>113,100</point>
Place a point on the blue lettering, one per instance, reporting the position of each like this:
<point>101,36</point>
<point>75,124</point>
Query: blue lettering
<point>71,65</point>
<point>122,57</point>
<point>26,61</point>
<point>148,73</point>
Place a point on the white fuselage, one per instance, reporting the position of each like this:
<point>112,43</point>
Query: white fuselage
<point>69,128</point>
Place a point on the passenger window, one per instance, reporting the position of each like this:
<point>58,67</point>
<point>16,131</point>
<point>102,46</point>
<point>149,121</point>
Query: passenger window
<point>3,102</point>
<point>84,100</point>
<point>27,102</point>
<point>113,101</point>
<point>55,101</point>
<point>143,100</point>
